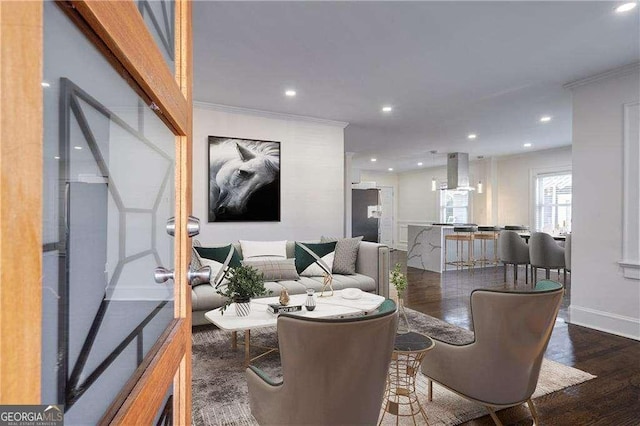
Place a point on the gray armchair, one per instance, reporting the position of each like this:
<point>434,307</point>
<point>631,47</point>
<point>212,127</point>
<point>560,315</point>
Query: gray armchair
<point>500,368</point>
<point>545,253</point>
<point>513,250</point>
<point>334,370</point>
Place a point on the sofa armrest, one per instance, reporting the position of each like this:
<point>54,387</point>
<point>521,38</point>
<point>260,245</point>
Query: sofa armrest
<point>373,261</point>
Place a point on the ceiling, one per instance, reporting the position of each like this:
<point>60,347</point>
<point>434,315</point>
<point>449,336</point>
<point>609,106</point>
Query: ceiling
<point>447,68</point>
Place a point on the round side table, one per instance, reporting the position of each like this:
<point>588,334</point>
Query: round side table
<point>400,398</point>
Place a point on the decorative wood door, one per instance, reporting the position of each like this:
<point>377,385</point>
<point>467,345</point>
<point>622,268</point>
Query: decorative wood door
<point>95,144</point>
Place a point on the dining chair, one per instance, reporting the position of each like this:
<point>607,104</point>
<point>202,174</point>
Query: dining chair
<point>512,250</point>
<point>546,253</point>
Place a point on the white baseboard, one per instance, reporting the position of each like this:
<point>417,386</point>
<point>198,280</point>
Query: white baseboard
<point>605,321</point>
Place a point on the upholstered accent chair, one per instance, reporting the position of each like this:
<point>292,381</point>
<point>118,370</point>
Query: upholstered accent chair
<point>513,250</point>
<point>334,370</point>
<point>500,368</point>
<point>545,253</point>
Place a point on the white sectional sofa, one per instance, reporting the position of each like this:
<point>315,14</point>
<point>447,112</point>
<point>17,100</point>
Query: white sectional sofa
<point>372,275</point>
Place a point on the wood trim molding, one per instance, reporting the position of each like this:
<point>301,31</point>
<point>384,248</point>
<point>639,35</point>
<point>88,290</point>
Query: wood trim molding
<point>630,262</point>
<point>140,407</point>
<point>184,144</point>
<point>268,114</point>
<point>616,72</point>
<point>20,201</point>
<point>121,27</point>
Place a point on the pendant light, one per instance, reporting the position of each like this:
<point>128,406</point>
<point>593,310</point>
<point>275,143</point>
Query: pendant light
<point>479,187</point>
<point>434,183</point>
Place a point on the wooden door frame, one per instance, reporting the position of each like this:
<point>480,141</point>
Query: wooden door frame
<point>119,32</point>
<point>21,165</point>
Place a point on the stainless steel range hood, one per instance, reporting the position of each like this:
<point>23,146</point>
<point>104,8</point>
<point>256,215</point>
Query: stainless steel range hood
<point>458,172</point>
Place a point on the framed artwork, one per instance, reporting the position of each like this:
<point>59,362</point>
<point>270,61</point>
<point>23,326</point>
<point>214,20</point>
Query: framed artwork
<point>244,180</point>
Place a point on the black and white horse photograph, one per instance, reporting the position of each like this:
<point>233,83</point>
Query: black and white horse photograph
<point>244,180</point>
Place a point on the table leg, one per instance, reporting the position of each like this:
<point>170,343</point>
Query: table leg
<point>247,347</point>
<point>234,340</point>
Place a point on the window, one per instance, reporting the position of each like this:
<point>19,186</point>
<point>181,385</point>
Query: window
<point>454,206</point>
<point>553,202</point>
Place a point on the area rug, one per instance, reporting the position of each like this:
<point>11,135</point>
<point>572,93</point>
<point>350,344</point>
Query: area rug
<point>220,389</point>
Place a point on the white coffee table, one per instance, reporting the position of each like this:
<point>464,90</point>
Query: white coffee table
<point>328,306</point>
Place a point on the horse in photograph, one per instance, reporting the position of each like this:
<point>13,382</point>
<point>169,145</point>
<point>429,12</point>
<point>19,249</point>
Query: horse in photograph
<point>237,170</point>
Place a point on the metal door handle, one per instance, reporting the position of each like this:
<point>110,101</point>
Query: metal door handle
<point>162,274</point>
<point>193,226</point>
<point>202,275</point>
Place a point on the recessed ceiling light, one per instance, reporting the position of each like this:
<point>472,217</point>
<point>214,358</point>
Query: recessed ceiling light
<point>625,7</point>
<point>390,169</point>
<point>420,164</point>
<point>527,145</point>
<point>45,84</point>
<point>545,118</point>
<point>290,93</point>
<point>77,147</point>
<point>472,136</point>
<point>373,160</point>
<point>56,158</point>
<point>387,108</point>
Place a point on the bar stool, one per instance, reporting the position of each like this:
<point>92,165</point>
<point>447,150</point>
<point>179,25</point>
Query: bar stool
<point>488,233</point>
<point>460,235</point>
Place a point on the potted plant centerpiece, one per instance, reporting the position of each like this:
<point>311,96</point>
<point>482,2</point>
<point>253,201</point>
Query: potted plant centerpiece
<point>244,283</point>
<point>399,281</point>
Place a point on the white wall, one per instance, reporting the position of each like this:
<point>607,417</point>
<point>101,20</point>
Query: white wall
<point>601,298</point>
<point>311,173</point>
<point>515,182</point>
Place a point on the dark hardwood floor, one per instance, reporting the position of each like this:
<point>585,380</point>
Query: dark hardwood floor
<point>613,398</point>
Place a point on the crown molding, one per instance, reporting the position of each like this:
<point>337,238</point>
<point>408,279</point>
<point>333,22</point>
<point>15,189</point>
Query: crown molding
<point>616,72</point>
<point>268,114</point>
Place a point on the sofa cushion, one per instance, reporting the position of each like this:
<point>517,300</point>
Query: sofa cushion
<point>314,259</point>
<point>275,269</point>
<point>259,250</point>
<point>340,282</point>
<point>220,259</point>
<point>205,298</point>
<point>346,254</point>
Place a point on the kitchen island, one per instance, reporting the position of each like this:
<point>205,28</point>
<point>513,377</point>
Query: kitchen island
<point>425,248</point>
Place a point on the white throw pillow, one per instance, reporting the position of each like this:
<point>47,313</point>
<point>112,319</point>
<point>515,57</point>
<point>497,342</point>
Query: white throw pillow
<point>215,268</point>
<point>261,250</point>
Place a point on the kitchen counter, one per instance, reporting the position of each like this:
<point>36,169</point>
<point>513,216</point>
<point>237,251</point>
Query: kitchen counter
<point>425,247</point>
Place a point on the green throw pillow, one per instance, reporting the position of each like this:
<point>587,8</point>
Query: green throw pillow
<point>314,259</point>
<point>219,260</point>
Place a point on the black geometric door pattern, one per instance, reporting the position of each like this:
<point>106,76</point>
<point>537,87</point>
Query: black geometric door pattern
<point>116,191</point>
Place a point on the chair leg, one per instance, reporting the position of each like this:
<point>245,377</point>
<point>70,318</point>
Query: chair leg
<point>493,415</point>
<point>534,413</point>
<point>526,273</point>
<point>505,272</point>
<point>515,273</point>
<point>429,390</point>
<point>547,273</point>
<point>445,255</point>
<point>565,276</point>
